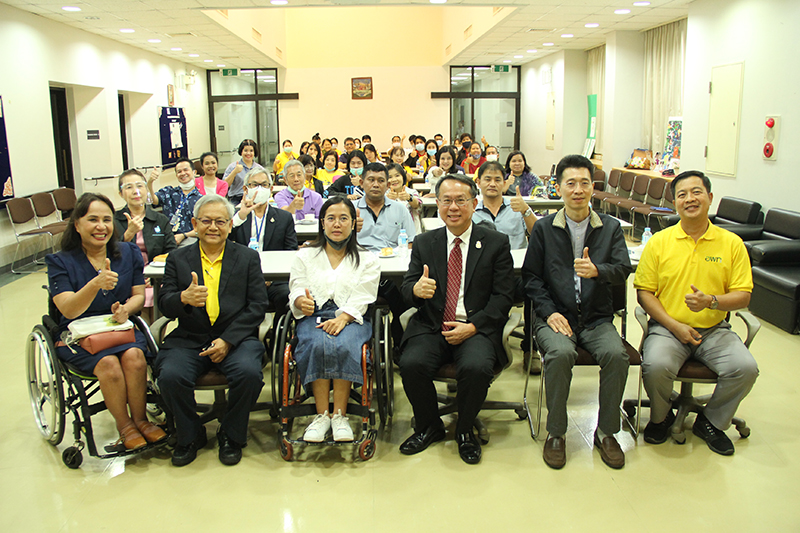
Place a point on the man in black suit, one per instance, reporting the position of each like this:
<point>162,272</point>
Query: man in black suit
<point>272,228</point>
<point>460,317</point>
<point>215,289</point>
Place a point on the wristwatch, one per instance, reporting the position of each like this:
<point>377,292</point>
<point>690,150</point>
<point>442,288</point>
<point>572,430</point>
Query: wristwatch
<point>528,213</point>
<point>714,302</point>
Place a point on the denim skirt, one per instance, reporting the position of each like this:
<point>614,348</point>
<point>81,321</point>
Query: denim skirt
<point>323,356</point>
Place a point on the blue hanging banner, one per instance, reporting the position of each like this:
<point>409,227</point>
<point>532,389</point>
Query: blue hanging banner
<point>5,162</point>
<point>172,126</point>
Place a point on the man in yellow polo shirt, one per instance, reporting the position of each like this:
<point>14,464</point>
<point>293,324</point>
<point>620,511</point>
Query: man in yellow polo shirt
<point>689,277</point>
<point>216,290</point>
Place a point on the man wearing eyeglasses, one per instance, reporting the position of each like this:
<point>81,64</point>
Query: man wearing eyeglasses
<point>574,257</point>
<point>461,278</point>
<point>216,290</point>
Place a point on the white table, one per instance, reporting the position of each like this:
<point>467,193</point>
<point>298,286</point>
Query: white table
<point>422,188</point>
<point>306,231</point>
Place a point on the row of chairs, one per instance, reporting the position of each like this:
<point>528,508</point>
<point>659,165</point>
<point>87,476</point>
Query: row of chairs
<point>34,211</point>
<point>628,192</point>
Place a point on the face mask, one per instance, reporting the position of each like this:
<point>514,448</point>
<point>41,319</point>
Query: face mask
<point>491,157</point>
<point>334,146</point>
<point>259,195</point>
<point>330,169</point>
<point>338,245</point>
<point>396,145</point>
<point>287,149</point>
<point>431,153</point>
<point>438,143</point>
<point>476,156</point>
<point>466,144</point>
<point>419,147</point>
<point>188,186</point>
<point>356,171</point>
<point>294,192</point>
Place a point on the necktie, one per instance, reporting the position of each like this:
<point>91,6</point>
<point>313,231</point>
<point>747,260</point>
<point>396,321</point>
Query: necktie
<point>453,283</point>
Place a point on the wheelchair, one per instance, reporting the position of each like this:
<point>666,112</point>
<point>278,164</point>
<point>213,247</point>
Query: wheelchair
<point>57,388</point>
<point>291,399</point>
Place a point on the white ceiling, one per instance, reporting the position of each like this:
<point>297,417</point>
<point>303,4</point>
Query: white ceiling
<point>163,19</point>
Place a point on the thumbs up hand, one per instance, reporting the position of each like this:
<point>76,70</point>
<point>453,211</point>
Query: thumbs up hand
<point>297,203</point>
<point>305,303</point>
<point>584,267</point>
<point>195,294</point>
<point>359,220</point>
<point>698,300</point>
<point>518,202</point>
<point>135,225</point>
<point>106,278</point>
<point>425,287</point>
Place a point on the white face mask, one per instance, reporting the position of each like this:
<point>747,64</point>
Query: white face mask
<point>259,195</point>
<point>188,186</point>
<point>396,145</point>
<point>491,157</point>
<point>419,146</point>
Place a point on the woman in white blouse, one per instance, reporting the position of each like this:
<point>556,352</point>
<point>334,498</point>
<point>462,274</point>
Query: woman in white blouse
<point>332,282</point>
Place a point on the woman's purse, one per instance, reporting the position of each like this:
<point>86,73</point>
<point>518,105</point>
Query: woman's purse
<point>97,333</point>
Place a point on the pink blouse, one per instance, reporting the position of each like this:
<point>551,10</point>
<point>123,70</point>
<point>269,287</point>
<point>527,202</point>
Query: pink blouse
<point>222,186</point>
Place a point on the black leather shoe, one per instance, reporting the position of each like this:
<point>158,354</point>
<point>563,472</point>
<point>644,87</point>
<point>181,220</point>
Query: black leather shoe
<point>469,448</point>
<point>230,452</point>
<point>419,441</point>
<point>183,455</point>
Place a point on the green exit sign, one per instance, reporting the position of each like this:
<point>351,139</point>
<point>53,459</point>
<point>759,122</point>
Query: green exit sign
<point>501,68</point>
<point>230,72</point>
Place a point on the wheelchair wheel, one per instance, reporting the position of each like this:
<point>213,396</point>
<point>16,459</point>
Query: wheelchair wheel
<point>72,457</point>
<point>286,448</point>
<point>45,385</point>
<point>366,449</point>
<point>382,364</point>
<point>284,333</point>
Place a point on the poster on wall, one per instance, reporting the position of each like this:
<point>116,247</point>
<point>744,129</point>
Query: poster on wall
<point>672,146</point>
<point>591,133</point>
<point>361,88</point>
<point>5,161</point>
<point>172,126</point>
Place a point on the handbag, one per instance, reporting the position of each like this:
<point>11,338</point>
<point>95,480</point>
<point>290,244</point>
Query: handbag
<point>97,333</point>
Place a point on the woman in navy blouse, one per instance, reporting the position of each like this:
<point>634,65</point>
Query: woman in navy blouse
<point>94,274</point>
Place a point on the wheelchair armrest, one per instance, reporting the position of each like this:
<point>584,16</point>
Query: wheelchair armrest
<point>158,328</point>
<point>514,320</point>
<point>265,326</point>
<point>641,318</point>
<point>141,325</point>
<point>406,317</point>
<point>752,323</point>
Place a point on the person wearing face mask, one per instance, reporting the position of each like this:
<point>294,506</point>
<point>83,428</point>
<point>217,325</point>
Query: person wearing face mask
<point>209,180</point>
<point>440,140</point>
<point>350,184</point>
<point>140,224</point>
<point>272,228</point>
<point>329,172</point>
<point>296,198</point>
<point>284,157</point>
<point>428,158</point>
<point>332,281</point>
<point>177,203</point>
<point>417,153</point>
<point>463,153</point>
<point>335,145</point>
<point>491,155</point>
<point>311,174</point>
<point>236,171</point>
<point>475,159</point>
<point>397,142</point>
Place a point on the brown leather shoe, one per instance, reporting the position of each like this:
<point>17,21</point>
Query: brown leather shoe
<point>131,437</point>
<point>150,431</point>
<point>555,452</point>
<point>610,451</point>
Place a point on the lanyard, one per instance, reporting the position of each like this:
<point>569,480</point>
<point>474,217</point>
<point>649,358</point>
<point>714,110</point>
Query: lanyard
<point>258,226</point>
<point>177,222</point>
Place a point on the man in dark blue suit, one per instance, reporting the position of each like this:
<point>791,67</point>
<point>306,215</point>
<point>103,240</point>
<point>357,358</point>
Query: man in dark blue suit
<point>461,278</point>
<point>215,288</point>
<point>272,228</point>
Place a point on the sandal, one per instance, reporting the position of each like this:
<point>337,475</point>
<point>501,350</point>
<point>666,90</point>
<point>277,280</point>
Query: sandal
<point>131,437</point>
<point>150,431</point>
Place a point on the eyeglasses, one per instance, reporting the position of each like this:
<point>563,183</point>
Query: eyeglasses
<point>446,202</point>
<point>206,222</point>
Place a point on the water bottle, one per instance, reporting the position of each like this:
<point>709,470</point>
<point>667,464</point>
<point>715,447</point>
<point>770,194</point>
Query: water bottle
<point>253,245</point>
<point>646,234</point>
<point>402,243</point>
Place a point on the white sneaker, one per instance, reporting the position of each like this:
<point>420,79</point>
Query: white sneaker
<point>342,432</point>
<point>318,428</point>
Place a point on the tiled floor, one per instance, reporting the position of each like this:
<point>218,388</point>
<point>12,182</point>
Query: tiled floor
<point>662,488</point>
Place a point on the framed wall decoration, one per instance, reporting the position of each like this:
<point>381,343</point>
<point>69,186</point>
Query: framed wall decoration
<point>362,88</point>
<point>6,185</point>
<point>172,127</point>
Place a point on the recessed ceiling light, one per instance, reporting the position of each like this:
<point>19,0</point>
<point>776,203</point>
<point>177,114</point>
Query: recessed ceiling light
<point>481,68</point>
<point>567,35</point>
<point>532,51</point>
<point>208,61</point>
<point>127,30</point>
<point>438,1</point>
<point>641,4</point>
<point>92,18</point>
<point>591,25</point>
<point>506,61</point>
<point>154,41</point>
<point>176,49</point>
<point>517,57</point>
<point>71,9</point>
<point>194,55</point>
<point>622,11</point>
<point>547,44</point>
<point>220,66</point>
<point>278,2</point>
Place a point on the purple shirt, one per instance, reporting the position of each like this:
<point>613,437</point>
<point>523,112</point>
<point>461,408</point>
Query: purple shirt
<point>312,205</point>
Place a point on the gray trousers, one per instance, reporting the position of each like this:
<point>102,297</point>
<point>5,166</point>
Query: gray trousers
<point>560,354</point>
<point>721,350</point>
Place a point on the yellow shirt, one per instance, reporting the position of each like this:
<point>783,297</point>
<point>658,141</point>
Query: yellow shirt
<point>212,271</point>
<point>282,159</point>
<point>672,262</point>
<point>328,177</point>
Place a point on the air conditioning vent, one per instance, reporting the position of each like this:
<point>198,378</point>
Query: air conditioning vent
<point>256,35</point>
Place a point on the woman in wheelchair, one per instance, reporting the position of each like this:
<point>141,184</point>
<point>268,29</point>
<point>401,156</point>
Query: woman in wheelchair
<point>94,274</point>
<point>332,282</point>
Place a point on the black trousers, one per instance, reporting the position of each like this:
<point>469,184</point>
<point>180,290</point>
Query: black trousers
<point>178,370</point>
<point>424,355</point>
<point>278,294</point>
<point>397,305</point>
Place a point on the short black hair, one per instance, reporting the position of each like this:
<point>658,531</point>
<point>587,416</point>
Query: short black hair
<point>461,178</point>
<point>376,167</point>
<point>184,160</point>
<point>491,165</point>
<point>206,154</point>
<point>349,139</point>
<point>438,135</point>
<point>287,141</point>
<point>524,161</point>
<point>249,142</point>
<point>420,137</point>
<point>465,135</point>
<point>366,138</point>
<point>690,174</point>
<point>400,170</point>
<point>307,160</point>
<point>573,161</point>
